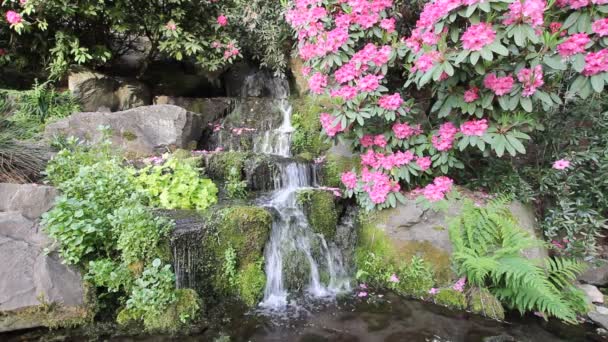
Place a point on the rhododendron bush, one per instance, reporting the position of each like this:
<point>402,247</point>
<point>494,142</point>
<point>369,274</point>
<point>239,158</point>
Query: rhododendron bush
<point>57,34</point>
<point>491,68</point>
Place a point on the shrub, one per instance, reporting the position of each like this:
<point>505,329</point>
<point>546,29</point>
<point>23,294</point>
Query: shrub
<point>488,245</point>
<point>176,184</point>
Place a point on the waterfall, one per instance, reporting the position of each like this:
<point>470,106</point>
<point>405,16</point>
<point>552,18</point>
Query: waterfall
<point>291,232</point>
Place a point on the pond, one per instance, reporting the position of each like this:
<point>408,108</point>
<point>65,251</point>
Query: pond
<point>386,319</point>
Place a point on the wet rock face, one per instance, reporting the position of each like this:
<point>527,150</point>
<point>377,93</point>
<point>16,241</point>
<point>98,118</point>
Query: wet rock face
<point>94,91</point>
<point>211,109</point>
<point>29,277</point>
<point>141,130</point>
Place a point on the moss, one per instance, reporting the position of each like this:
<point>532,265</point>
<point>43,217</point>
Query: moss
<point>219,164</point>
<point>334,166</point>
<point>451,298</point>
<point>307,137</point>
<point>245,229</point>
<point>251,282</point>
<point>296,270</point>
<point>184,310</point>
<point>484,303</point>
<point>129,136</point>
<point>320,210</point>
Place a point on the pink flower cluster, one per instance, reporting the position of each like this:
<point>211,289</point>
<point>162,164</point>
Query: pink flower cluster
<point>327,121</point>
<point>459,285</point>
<point>424,163</point>
<point>13,17</point>
<point>477,36</point>
<point>426,61</point>
<point>600,27</point>
<point>474,127</point>
<point>390,102</point>
<point>561,164</point>
<point>574,44</point>
<point>369,83</point>
<point>349,179</point>
<point>378,160</point>
<point>531,79</point>
<point>378,185</point>
<point>370,140</point>
<point>576,4</point>
<point>222,20</point>
<point>444,140</point>
<point>317,83</point>
<point>596,62</point>
<point>404,130</point>
<point>528,12</point>
<point>471,95</point>
<point>345,92</point>
<point>499,85</point>
<point>436,191</point>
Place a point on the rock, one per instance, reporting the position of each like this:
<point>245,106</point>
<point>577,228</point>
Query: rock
<point>94,91</point>
<point>597,276</point>
<point>211,109</point>
<point>181,79</point>
<point>36,289</point>
<point>301,84</point>
<point>243,80</point>
<point>411,230</point>
<point>141,130</point>
<point>482,302</point>
<point>527,220</point>
<point>593,294</point>
<point>599,317</point>
<point>31,200</point>
<point>132,94</point>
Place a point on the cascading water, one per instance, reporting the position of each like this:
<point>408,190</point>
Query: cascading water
<point>291,232</point>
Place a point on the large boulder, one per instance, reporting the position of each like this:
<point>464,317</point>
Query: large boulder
<point>142,130</point>
<point>211,109</point>
<point>94,91</point>
<point>596,275</point>
<point>412,230</point>
<point>36,288</point>
<point>132,94</point>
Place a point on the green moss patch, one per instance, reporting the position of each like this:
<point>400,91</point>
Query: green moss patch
<point>482,302</point>
<point>334,166</point>
<point>451,298</point>
<point>307,139</point>
<point>176,316</point>
<point>219,164</point>
<point>320,210</point>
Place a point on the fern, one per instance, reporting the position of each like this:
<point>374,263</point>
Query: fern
<point>488,245</point>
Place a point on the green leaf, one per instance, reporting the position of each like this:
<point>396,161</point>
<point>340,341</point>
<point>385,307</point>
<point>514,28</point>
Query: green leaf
<point>526,103</point>
<point>597,82</point>
<point>499,49</point>
<point>571,20</point>
<point>516,144</point>
<point>555,62</point>
<point>578,62</point>
<point>474,57</point>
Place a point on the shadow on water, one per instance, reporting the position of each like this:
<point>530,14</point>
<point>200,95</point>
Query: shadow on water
<point>389,319</point>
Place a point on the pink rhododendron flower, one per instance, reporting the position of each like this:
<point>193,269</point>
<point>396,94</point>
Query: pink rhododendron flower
<point>327,121</point>
<point>499,85</point>
<point>390,102</point>
<point>172,27</point>
<point>367,140</point>
<point>561,164</point>
<point>531,79</point>
<point>596,62</point>
<point>576,4</point>
<point>423,163</point>
<point>222,20</point>
<point>471,95</point>
<point>380,140</point>
<point>317,83</point>
<point>574,44</point>
<point>363,286</point>
<point>404,130</point>
<point>347,93</point>
<point>346,72</point>
<point>555,27</point>
<point>528,12</point>
<point>13,17</point>
<point>368,83</point>
<point>600,27</point>
<point>362,294</point>
<point>433,291</point>
<point>426,61</point>
<point>393,278</point>
<point>436,191</point>
<point>388,25</point>
<point>349,179</point>
<point>444,140</point>
<point>306,70</point>
<point>459,285</point>
<point>474,127</point>
<point>477,36</point>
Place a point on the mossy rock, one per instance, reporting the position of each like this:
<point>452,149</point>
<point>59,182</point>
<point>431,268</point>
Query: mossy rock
<point>251,282</point>
<point>307,139</point>
<point>482,302</point>
<point>451,298</point>
<point>296,270</point>
<point>177,316</point>
<point>334,166</point>
<point>393,248</point>
<point>218,165</point>
<point>320,210</point>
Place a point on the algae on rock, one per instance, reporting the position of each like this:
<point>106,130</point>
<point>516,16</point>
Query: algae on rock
<point>483,302</point>
<point>320,210</point>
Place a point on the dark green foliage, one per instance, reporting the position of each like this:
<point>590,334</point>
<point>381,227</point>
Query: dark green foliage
<point>320,210</point>
<point>572,203</point>
<point>488,245</point>
<point>307,139</point>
